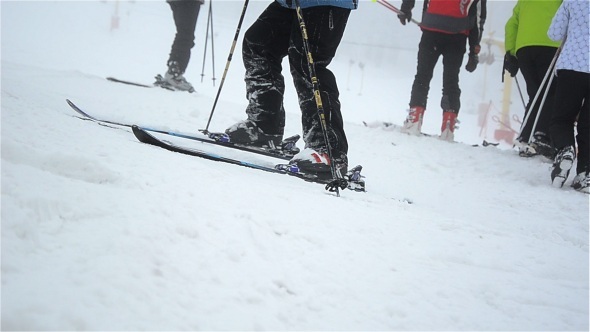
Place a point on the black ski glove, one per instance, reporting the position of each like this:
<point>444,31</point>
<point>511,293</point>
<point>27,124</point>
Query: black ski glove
<point>510,64</point>
<point>404,15</point>
<point>472,62</point>
<point>473,58</point>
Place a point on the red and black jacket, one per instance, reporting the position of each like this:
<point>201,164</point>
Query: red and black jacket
<point>448,16</point>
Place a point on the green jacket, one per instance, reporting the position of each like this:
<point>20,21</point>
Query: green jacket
<point>529,24</point>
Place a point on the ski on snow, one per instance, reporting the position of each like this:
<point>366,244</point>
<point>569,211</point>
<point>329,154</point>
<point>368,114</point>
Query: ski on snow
<point>160,82</point>
<point>352,180</point>
<point>116,80</point>
<point>392,126</point>
<point>285,151</point>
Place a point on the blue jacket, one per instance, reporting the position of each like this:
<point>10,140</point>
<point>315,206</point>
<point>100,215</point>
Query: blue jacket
<point>349,4</point>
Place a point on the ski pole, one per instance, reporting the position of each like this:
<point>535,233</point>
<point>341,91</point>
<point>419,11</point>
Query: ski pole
<point>541,107</point>
<point>526,119</point>
<point>547,87</point>
<point>350,63</point>
<point>520,92</point>
<point>393,9</point>
<point>338,180</point>
<point>206,39</point>
<point>212,43</point>
<point>231,53</point>
<point>362,67</point>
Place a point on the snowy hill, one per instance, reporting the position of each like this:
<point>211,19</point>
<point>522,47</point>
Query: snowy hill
<point>101,232</point>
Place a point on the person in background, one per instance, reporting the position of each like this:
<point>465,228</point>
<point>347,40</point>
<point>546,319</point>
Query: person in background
<point>570,25</point>
<point>277,34</point>
<point>185,13</point>
<point>445,28</point>
<point>529,49</point>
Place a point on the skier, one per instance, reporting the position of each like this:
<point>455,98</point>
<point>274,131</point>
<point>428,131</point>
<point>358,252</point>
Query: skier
<point>572,93</point>
<point>277,34</point>
<point>445,27</point>
<point>185,13</point>
<point>528,48</point>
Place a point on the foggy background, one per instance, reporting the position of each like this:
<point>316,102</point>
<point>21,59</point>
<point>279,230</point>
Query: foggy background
<point>376,61</point>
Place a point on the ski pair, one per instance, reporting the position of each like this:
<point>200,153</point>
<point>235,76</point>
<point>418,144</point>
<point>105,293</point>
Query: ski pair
<point>389,126</point>
<point>353,180</point>
<point>285,151</point>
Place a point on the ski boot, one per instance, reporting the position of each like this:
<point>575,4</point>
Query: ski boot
<point>413,123</point>
<point>449,124</point>
<point>562,165</point>
<point>582,182</point>
<point>173,79</point>
<point>248,133</point>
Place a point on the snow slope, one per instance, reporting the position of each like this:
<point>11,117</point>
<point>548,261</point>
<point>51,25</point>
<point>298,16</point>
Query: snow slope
<point>101,232</point>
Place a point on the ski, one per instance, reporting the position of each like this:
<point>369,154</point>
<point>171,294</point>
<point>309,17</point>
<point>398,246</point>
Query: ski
<point>159,83</point>
<point>486,144</point>
<point>389,126</point>
<point>285,151</point>
<point>116,80</point>
<point>353,179</point>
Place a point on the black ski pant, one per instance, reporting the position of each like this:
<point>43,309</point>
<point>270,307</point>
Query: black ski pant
<point>185,14</point>
<point>432,46</point>
<point>534,62</point>
<point>275,35</point>
<point>571,101</point>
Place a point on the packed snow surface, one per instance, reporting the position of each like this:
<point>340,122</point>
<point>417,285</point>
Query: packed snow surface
<point>102,232</point>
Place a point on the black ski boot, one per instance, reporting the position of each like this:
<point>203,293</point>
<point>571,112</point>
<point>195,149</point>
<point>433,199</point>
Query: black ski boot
<point>564,160</point>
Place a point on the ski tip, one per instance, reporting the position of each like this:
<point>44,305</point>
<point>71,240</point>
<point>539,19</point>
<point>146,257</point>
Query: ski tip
<point>141,135</point>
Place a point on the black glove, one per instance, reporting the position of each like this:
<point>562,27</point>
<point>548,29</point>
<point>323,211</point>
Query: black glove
<point>473,58</point>
<point>511,64</point>
<point>472,62</point>
<point>404,15</point>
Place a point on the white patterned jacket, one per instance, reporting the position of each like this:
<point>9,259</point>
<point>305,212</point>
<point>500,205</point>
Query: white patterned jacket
<point>571,23</point>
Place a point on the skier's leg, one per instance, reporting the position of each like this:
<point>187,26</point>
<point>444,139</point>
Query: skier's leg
<point>453,53</point>
<point>563,119</point>
<point>185,13</point>
<point>543,60</point>
<point>452,50</point>
<point>265,45</point>
<point>325,27</point>
<point>527,65</point>
<point>428,54</point>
